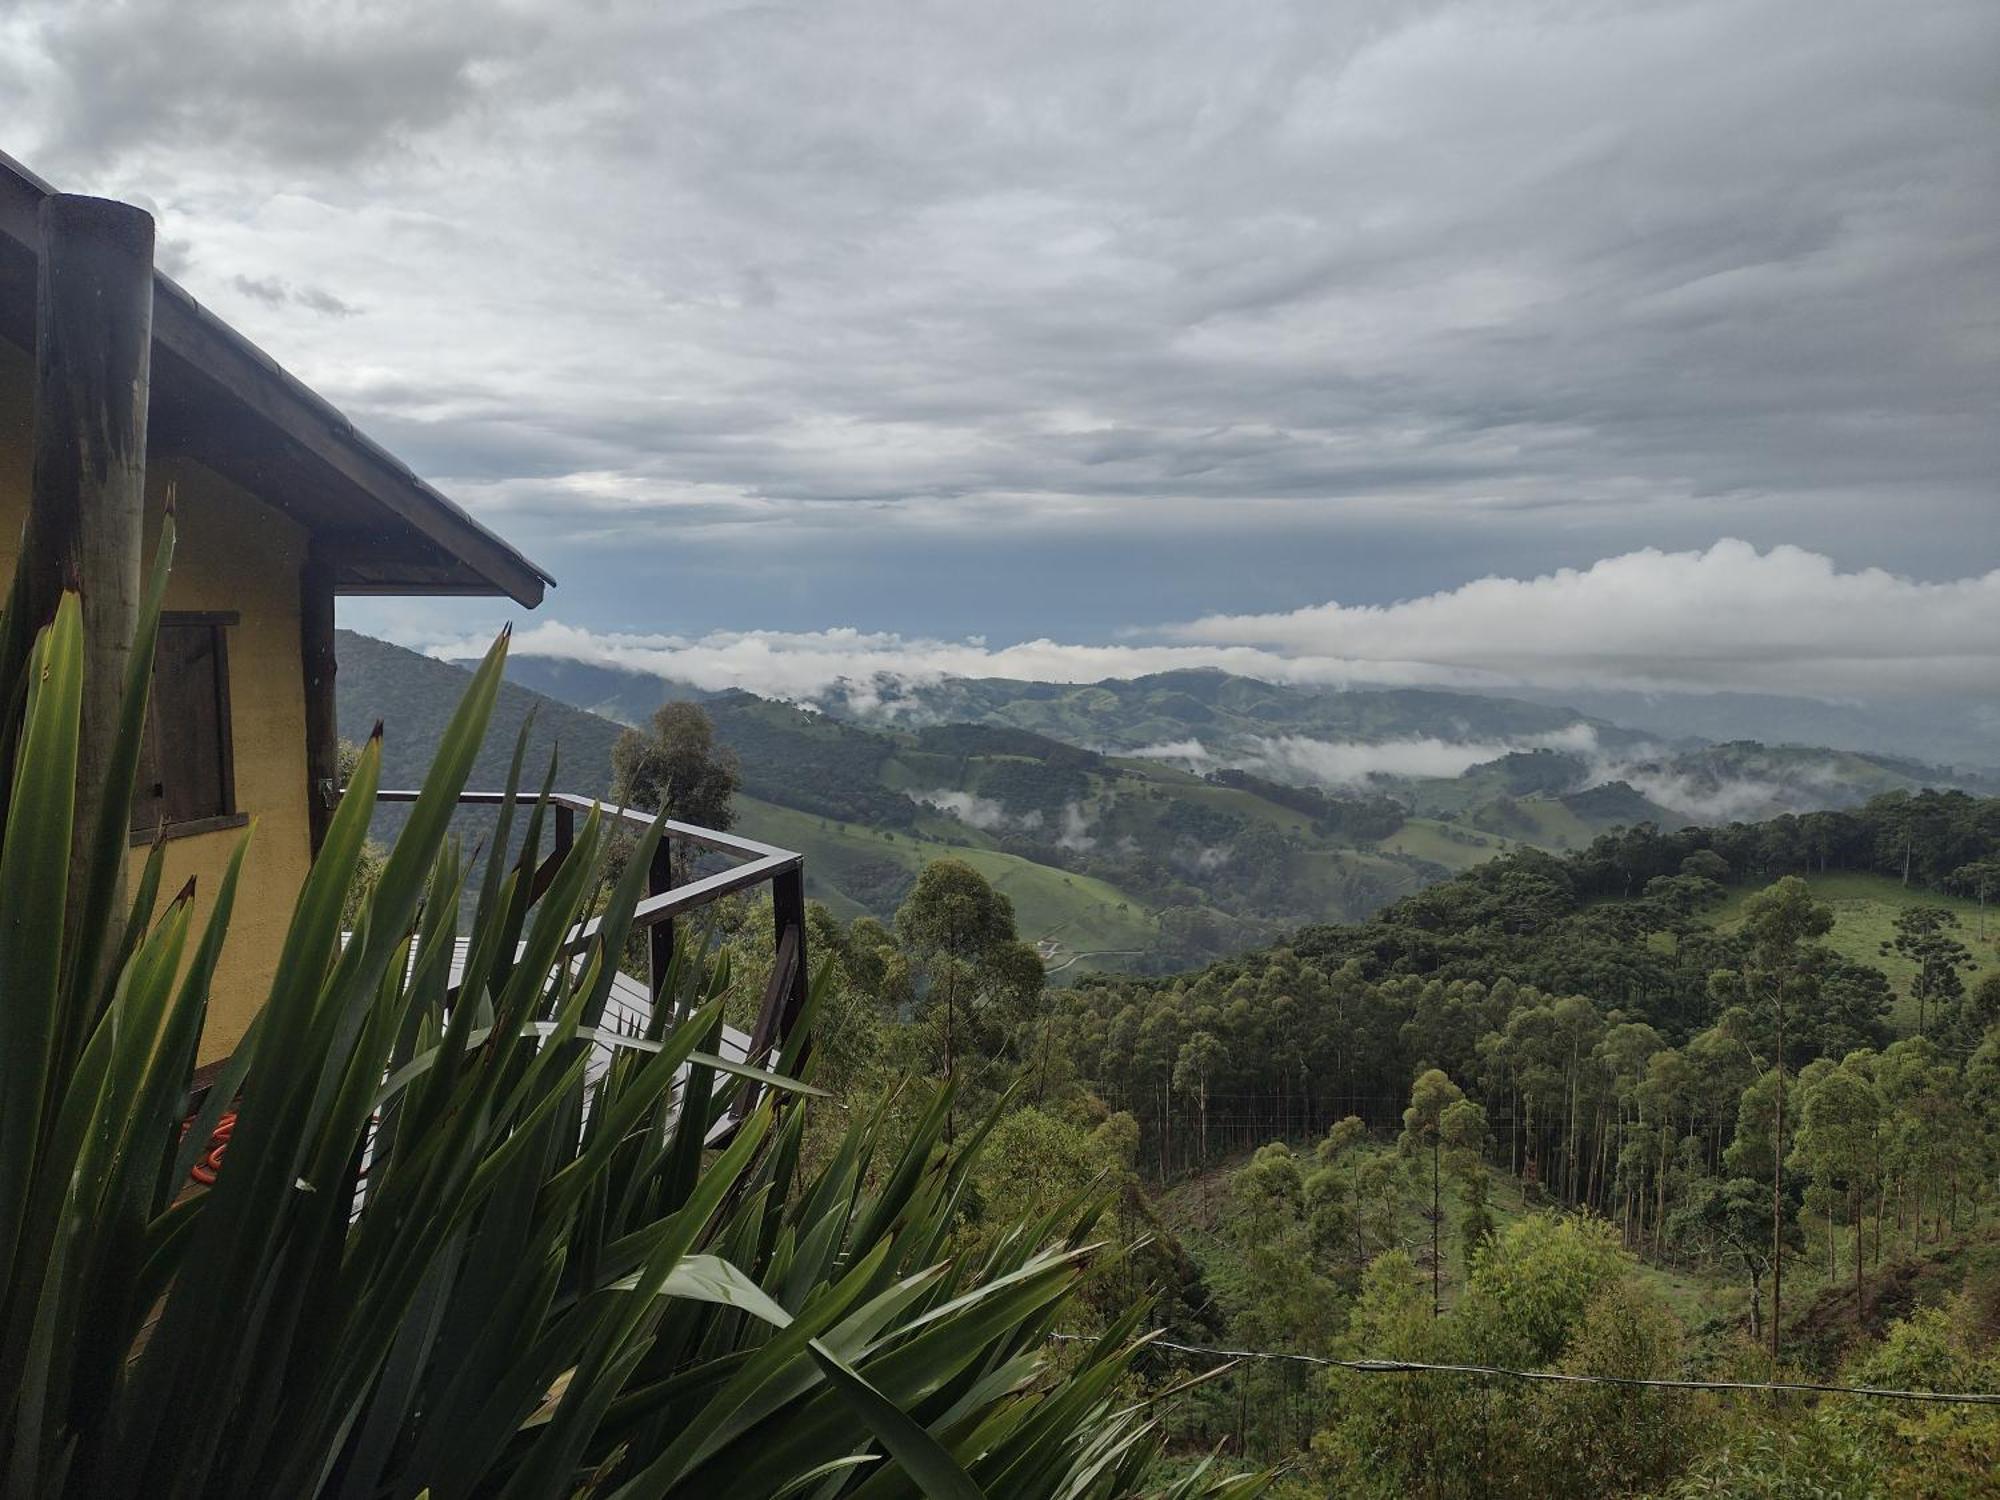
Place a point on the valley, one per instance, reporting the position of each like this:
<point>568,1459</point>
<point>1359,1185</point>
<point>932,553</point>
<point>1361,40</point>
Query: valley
<point>1139,826</point>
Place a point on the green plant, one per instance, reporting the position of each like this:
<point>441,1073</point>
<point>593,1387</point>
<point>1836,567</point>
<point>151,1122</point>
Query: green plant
<point>437,1259</point>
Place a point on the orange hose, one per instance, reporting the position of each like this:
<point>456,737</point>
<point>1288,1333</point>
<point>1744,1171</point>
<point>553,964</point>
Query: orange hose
<point>204,1170</point>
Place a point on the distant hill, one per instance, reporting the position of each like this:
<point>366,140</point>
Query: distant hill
<point>1956,731</point>
<point>1218,708</point>
<point>1154,822</point>
<point>625,694</point>
<point>414,696</point>
<point>852,867</point>
<point>1111,862</point>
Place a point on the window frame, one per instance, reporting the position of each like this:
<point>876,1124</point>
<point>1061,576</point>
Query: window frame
<point>218,622</point>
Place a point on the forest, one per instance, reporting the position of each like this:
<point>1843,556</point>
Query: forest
<point>1692,1104</point>
<point>1624,1113</point>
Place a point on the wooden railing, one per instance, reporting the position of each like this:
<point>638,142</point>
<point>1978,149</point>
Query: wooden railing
<point>665,902</point>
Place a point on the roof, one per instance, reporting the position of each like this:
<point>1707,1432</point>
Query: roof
<point>221,401</point>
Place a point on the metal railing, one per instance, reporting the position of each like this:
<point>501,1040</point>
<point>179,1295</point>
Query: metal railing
<point>665,901</point>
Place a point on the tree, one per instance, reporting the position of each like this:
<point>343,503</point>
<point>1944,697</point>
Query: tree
<point>1201,1057</point>
<point>1924,937</point>
<point>1778,923</point>
<point>1340,1153</point>
<point>1839,1121</point>
<point>1462,1128</point>
<point>675,767</point>
<point>1979,879</point>
<point>1733,1215</point>
<point>971,975</point>
<point>1431,1097</point>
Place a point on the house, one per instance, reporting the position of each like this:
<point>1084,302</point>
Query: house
<point>280,506</point>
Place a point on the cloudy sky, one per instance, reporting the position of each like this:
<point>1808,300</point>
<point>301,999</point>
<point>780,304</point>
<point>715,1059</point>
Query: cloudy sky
<point>1645,343</point>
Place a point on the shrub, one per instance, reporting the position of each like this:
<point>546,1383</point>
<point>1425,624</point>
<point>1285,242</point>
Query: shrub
<point>437,1257</point>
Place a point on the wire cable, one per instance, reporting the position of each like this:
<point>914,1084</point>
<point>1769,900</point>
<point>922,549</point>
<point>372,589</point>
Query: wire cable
<point>1411,1366</point>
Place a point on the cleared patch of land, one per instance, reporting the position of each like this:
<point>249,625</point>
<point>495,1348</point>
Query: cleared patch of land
<point>1452,845</point>
<point>1865,908</point>
<point>848,866</point>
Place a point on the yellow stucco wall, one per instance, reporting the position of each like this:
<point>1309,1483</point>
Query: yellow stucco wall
<point>232,553</point>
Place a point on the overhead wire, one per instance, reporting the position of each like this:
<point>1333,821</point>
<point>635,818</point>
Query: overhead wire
<point>1412,1366</point>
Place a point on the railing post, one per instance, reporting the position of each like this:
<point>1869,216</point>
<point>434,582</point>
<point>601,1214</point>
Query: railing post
<point>786,992</point>
<point>788,913</point>
<point>660,936</point>
<point>544,874</point>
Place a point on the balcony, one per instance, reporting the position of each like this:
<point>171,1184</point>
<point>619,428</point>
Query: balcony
<point>633,1001</point>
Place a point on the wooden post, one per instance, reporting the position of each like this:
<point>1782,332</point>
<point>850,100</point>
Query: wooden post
<point>86,505</point>
<point>660,936</point>
<point>788,914</point>
<point>544,874</point>
<point>785,995</point>
<point>316,649</point>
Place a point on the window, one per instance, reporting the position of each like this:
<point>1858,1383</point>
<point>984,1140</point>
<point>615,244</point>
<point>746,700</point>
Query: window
<point>187,778</point>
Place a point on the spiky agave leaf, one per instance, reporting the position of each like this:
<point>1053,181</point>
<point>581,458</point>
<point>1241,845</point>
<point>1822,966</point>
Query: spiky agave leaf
<point>534,1286</point>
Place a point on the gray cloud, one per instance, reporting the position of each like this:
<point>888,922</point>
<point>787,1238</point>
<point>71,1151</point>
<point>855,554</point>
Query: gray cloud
<point>632,275</point>
<point>273,292</point>
<point>1730,617</point>
<point>298,86</point>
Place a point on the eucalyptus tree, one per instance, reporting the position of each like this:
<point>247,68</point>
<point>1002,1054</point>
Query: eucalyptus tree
<point>1979,879</point>
<point>973,980</point>
<point>1462,1129</point>
<point>1621,1058</point>
<point>1931,1130</point>
<point>1201,1058</point>
<point>1779,924</point>
<point>1432,1099</point>
<point>1840,1120</point>
<point>1664,1099</point>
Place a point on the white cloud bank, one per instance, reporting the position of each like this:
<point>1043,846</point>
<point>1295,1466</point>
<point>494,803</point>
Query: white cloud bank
<point>1348,763</point>
<point>1731,617</point>
<point>974,810</point>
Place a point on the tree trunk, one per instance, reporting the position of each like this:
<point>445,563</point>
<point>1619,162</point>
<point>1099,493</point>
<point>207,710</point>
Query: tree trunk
<point>1660,1211</point>
<point>1860,1303</point>
<point>1437,1221</point>
<point>1778,1189</point>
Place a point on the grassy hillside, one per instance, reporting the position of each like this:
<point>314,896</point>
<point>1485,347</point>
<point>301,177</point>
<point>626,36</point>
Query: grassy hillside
<point>1216,707</point>
<point>1102,853</point>
<point>853,868</point>
<point>1452,845</point>
<point>413,697</point>
<point>1864,918</point>
<point>850,867</point>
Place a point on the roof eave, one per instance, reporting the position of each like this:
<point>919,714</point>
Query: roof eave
<point>201,342</point>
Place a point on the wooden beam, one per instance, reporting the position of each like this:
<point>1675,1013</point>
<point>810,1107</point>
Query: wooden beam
<point>316,650</point>
<point>86,504</point>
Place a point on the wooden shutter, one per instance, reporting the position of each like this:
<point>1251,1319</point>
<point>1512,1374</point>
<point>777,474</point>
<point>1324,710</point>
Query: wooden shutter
<point>186,772</point>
